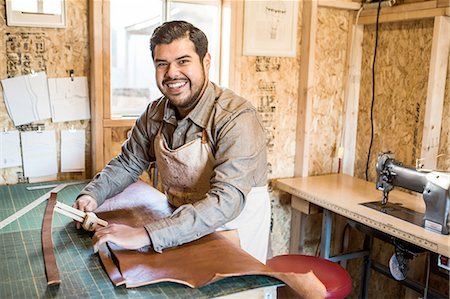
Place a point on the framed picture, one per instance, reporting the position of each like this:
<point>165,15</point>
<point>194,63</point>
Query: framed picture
<point>270,28</point>
<point>36,13</point>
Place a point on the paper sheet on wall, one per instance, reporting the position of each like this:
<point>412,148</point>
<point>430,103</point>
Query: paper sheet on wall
<point>26,98</point>
<point>69,98</point>
<point>10,149</point>
<point>39,153</point>
<point>72,150</point>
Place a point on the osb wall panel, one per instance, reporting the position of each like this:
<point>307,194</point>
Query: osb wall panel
<point>54,51</point>
<point>271,84</point>
<point>401,76</point>
<point>329,84</point>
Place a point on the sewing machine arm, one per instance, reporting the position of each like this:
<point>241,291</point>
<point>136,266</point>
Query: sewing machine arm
<point>433,185</point>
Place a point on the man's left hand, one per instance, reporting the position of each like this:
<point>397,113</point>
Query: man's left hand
<point>122,235</point>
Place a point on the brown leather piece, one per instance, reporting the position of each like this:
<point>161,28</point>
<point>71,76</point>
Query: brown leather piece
<point>51,268</point>
<point>113,272</point>
<point>194,264</point>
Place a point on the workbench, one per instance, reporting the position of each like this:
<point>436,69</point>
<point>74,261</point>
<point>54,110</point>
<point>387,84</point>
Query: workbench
<point>22,269</point>
<point>344,195</point>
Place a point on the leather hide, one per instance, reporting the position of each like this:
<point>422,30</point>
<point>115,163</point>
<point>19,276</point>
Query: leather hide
<point>194,264</point>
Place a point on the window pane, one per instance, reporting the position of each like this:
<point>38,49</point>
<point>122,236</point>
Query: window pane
<point>132,73</point>
<point>206,17</point>
<point>52,7</point>
<point>30,6</point>
<point>38,6</point>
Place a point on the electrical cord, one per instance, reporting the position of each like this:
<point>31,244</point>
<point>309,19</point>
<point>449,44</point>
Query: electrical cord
<point>373,91</point>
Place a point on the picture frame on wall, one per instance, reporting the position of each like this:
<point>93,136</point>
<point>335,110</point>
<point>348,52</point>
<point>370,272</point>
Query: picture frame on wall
<point>270,28</point>
<point>36,13</point>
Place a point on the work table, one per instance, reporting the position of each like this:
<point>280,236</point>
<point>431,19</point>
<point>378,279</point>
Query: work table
<point>82,275</point>
<point>343,194</point>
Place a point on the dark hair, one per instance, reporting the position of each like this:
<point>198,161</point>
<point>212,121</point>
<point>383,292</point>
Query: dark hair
<point>173,30</point>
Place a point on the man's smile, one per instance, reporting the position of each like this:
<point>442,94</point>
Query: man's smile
<point>176,85</point>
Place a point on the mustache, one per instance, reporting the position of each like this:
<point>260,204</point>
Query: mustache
<point>169,80</point>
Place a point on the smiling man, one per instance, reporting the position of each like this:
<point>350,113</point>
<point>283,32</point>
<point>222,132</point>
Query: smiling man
<point>209,147</point>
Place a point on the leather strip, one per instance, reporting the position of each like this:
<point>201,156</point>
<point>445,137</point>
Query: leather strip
<point>51,268</point>
<point>194,264</point>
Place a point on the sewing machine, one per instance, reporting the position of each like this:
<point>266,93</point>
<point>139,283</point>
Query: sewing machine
<point>433,185</point>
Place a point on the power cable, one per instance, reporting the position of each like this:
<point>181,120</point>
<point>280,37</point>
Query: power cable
<point>373,91</point>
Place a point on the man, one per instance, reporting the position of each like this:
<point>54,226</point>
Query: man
<point>209,148</point>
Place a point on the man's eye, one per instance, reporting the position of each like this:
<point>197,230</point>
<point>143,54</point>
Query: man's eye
<point>183,61</point>
<point>161,64</point>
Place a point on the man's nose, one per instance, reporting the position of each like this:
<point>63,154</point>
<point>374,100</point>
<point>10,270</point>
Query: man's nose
<point>173,70</point>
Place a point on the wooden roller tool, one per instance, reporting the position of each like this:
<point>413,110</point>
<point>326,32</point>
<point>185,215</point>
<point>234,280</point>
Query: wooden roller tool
<point>88,219</point>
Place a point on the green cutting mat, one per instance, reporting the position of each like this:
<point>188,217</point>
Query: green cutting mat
<point>22,273</point>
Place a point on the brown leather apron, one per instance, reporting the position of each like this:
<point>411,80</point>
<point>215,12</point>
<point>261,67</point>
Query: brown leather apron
<point>185,174</point>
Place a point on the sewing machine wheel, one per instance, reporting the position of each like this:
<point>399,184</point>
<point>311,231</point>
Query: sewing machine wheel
<point>398,266</point>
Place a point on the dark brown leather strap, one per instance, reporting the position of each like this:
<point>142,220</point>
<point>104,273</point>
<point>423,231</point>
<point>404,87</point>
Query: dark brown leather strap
<point>51,268</point>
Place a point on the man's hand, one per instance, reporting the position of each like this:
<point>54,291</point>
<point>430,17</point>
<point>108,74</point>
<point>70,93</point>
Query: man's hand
<point>85,203</point>
<point>122,235</point>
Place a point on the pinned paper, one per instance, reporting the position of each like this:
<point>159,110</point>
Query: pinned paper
<point>39,153</point>
<point>72,150</point>
<point>10,149</point>
<point>69,98</point>
<point>26,98</point>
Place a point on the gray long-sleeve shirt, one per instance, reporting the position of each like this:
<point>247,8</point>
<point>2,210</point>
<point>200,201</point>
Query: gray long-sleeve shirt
<point>238,144</point>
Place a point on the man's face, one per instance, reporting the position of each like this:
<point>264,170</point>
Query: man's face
<point>180,75</point>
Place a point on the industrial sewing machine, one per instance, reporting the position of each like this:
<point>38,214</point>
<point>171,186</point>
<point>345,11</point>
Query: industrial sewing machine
<point>435,189</point>
<point>433,185</point>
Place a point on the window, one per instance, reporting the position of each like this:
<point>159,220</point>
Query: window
<point>36,13</point>
<point>131,24</point>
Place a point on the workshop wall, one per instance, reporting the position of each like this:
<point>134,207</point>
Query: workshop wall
<point>63,49</point>
<point>401,78</point>
<point>329,85</point>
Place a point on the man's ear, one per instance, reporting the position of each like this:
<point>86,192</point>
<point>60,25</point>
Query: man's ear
<point>207,61</point>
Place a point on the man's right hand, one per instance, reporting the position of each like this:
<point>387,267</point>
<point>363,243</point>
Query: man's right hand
<point>85,203</point>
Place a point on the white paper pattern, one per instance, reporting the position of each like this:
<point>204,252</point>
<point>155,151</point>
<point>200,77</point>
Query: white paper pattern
<point>10,149</point>
<point>26,98</point>
<point>39,153</point>
<point>69,99</point>
<point>72,150</point>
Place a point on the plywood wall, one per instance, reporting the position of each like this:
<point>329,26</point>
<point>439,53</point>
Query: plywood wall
<point>59,51</point>
<point>329,84</point>
<point>401,77</point>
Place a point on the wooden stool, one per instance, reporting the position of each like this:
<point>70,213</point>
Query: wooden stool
<point>336,279</point>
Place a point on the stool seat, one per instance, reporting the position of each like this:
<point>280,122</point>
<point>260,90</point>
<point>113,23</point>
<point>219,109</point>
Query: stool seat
<point>336,279</point>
